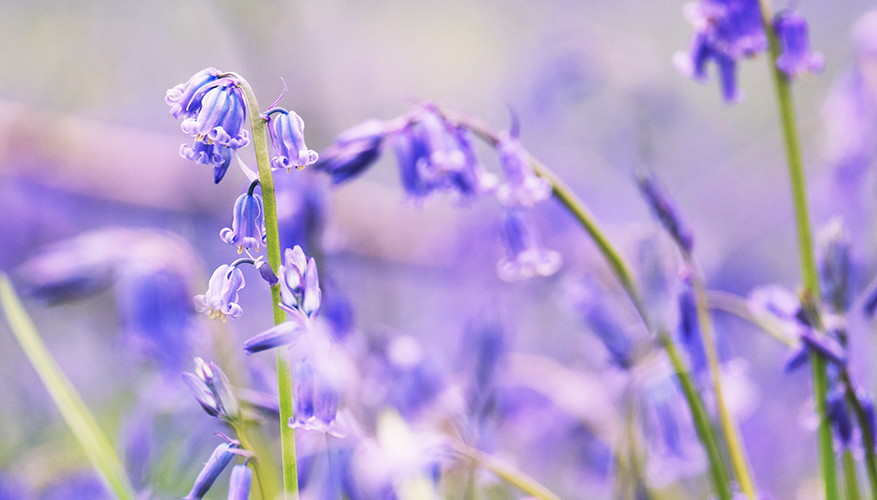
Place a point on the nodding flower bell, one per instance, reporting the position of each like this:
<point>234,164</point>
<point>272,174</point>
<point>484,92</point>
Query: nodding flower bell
<point>219,460</point>
<point>213,110</point>
<point>725,31</point>
<point>239,483</point>
<point>286,130</point>
<point>525,255</point>
<point>248,224</point>
<point>795,57</point>
<point>316,402</point>
<point>522,188</point>
<point>354,151</point>
<point>221,298</point>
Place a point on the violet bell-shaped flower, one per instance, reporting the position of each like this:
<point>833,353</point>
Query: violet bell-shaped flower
<point>219,460</point>
<point>795,56</point>
<point>354,151</point>
<point>181,98</point>
<point>286,130</point>
<point>248,223</point>
<point>299,284</point>
<point>522,187</point>
<point>239,482</point>
<point>221,299</point>
<point>525,255</point>
<point>215,380</point>
<point>725,31</point>
<point>316,402</point>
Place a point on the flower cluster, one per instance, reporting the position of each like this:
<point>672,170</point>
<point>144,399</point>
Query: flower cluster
<point>436,154</point>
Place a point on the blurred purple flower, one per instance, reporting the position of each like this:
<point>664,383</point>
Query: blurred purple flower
<point>522,187</point>
<point>689,327</point>
<point>239,482</point>
<point>223,394</point>
<point>666,209</point>
<point>724,31</point>
<point>525,255</point>
<point>248,223</point>
<point>839,415</point>
<point>220,300</point>
<point>316,402</point>
<point>354,150</point>
<point>286,130</point>
<point>588,300</point>
<point>76,487</point>
<point>835,266</point>
<point>795,56</point>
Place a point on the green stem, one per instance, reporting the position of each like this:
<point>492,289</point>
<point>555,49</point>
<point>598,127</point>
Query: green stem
<point>805,245</point>
<point>851,484</point>
<point>865,427</point>
<point>507,473</point>
<point>260,144</point>
<point>579,210</point>
<point>701,420</point>
<point>729,426</point>
<point>96,445</point>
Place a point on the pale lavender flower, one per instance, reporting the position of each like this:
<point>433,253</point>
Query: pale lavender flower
<point>725,31</point>
<point>218,461</point>
<point>588,301</point>
<point>522,187</point>
<point>239,482</point>
<point>283,334</point>
<point>286,130</point>
<point>299,285</point>
<point>217,382</point>
<point>202,393</point>
<point>354,150</point>
<point>795,57</point>
<point>316,401</point>
<point>248,223</point>
<point>525,255</point>
<point>221,298</point>
<point>182,98</point>
<point>835,265</point>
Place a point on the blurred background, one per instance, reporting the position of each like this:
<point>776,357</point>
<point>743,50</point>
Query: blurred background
<point>86,142</point>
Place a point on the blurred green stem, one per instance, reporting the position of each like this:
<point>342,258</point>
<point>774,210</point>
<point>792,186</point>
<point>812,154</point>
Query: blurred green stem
<point>97,447</point>
<point>811,295</point>
<point>260,144</point>
<point>506,472</point>
<point>851,484</point>
<point>729,425</point>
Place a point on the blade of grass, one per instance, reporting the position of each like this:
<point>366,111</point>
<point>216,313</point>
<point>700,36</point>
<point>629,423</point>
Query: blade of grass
<point>97,447</point>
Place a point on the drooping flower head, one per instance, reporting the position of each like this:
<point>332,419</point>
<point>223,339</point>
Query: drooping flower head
<point>522,187</point>
<point>286,130</point>
<point>248,223</point>
<point>525,255</point>
<point>221,299</point>
<point>795,56</point>
<point>354,150</point>
<point>725,31</point>
<point>214,111</point>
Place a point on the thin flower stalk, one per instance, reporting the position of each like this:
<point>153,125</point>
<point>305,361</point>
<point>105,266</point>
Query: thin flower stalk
<point>805,245</point>
<point>263,160</point>
<point>729,426</point>
<point>851,484</point>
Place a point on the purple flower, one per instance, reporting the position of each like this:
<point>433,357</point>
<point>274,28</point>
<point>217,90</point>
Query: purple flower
<point>666,210</point>
<point>725,31</point>
<point>286,130</point>
<point>248,223</point>
<point>525,255</point>
<point>316,401</point>
<point>299,284</point>
<point>835,266</point>
<point>239,482</point>
<point>182,99</point>
<point>218,461</point>
<point>354,151</point>
<point>795,57</point>
<point>221,298</point>
<point>689,327</point>
<point>588,300</point>
<point>522,187</point>
<point>283,334</point>
<point>209,154</point>
<point>215,380</point>
<point>203,394</point>
<point>840,416</point>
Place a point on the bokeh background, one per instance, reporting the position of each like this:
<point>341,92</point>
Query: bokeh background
<point>86,142</point>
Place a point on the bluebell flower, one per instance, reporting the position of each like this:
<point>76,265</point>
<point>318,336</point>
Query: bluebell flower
<point>522,187</point>
<point>218,461</point>
<point>224,400</point>
<point>689,326</point>
<point>834,266</point>
<point>182,98</point>
<point>412,154</point>
<point>286,130</point>
<point>214,113</point>
<point>839,415</point>
<point>239,482</point>
<point>221,298</point>
<point>725,31</point>
<point>587,300</point>
<point>795,56</point>
<point>666,210</point>
<point>354,150</point>
<point>299,285</point>
<point>278,335</point>
<point>203,394</point>
<point>525,255</point>
<point>316,401</point>
<point>248,224</point>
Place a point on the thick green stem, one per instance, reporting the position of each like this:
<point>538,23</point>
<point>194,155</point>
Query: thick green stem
<point>260,144</point>
<point>729,426</point>
<point>805,245</point>
<point>851,484</point>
